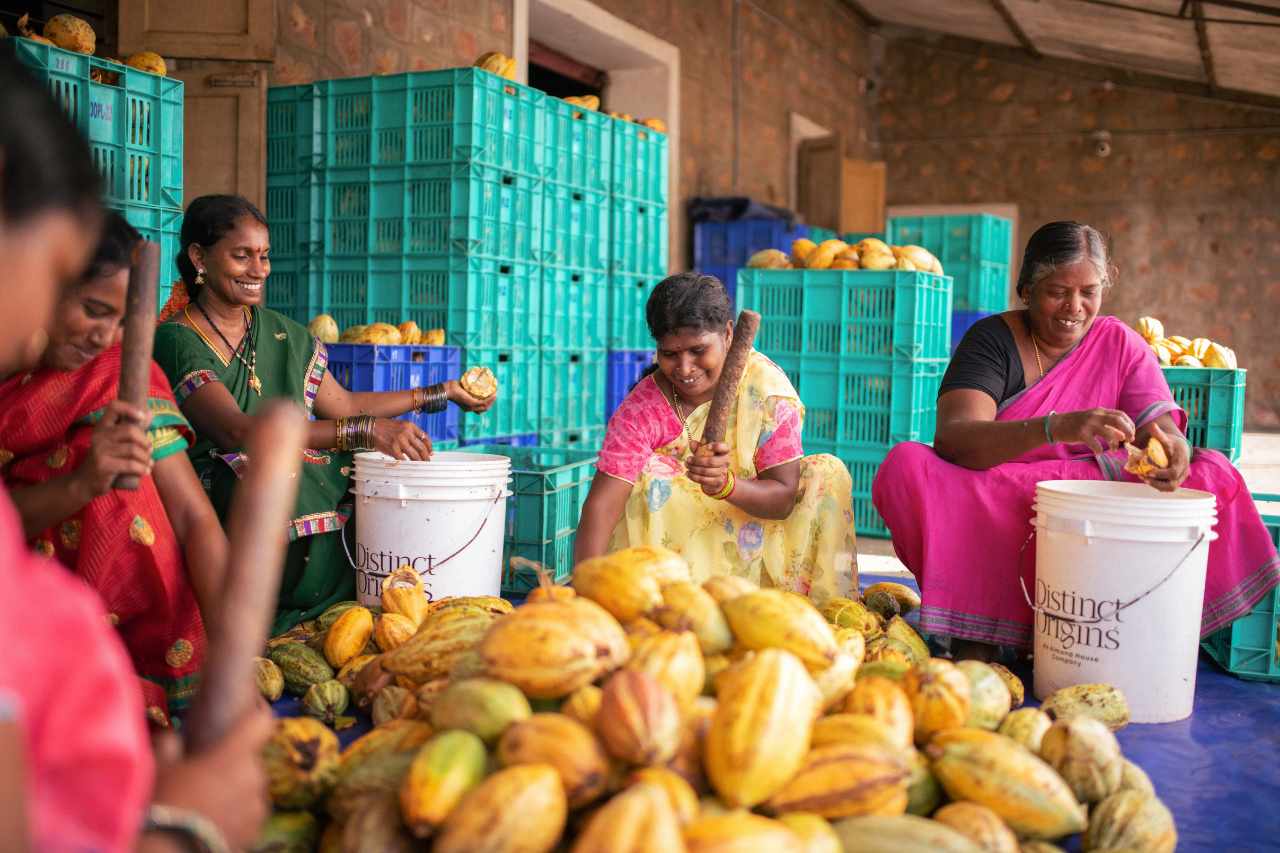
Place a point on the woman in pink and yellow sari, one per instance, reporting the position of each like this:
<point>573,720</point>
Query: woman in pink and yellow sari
<point>758,507</point>
<point>1048,392</point>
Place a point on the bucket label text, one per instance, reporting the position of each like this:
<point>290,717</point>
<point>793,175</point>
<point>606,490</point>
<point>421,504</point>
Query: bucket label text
<point>1077,622</point>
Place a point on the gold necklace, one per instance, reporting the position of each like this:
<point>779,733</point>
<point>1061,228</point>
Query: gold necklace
<point>1036,347</point>
<point>684,423</point>
<point>254,382</point>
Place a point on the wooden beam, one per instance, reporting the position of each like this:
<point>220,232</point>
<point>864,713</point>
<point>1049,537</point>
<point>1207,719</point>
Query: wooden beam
<point>860,12</point>
<point>566,66</point>
<point>1245,7</point>
<point>1206,53</point>
<point>1014,27</point>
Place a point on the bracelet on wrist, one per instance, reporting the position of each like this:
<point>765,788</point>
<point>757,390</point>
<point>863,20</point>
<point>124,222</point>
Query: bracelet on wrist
<point>1048,433</point>
<point>197,831</point>
<point>730,483</point>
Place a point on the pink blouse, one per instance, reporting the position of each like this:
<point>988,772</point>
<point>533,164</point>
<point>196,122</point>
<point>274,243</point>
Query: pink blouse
<point>645,421</point>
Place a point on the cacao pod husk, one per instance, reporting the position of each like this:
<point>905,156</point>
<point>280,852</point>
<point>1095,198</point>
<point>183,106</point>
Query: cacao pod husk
<point>1134,778</point>
<point>374,765</point>
<point>836,681</point>
<point>443,771</point>
<point>687,762</point>
<point>851,642</point>
<point>891,669</point>
<point>908,599</point>
<point>622,582</point>
<point>854,728</point>
<point>351,671</point>
<point>326,619</point>
<point>898,629</point>
<point>301,762</point>
<point>882,604</point>
<point>564,744</point>
<point>393,630</point>
<point>924,792</point>
<point>885,649</point>
<point>433,651</point>
<point>518,809</point>
<point>374,827</point>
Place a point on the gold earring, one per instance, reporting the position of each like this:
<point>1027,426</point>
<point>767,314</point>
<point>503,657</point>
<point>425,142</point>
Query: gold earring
<point>200,278</point>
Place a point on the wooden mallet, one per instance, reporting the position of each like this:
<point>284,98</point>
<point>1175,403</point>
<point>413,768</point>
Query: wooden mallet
<point>735,363</point>
<point>139,335</point>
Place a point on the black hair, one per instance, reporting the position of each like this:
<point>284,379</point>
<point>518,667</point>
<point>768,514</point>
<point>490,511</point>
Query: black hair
<point>115,246</point>
<point>1058,243</point>
<point>208,219</point>
<point>688,300</point>
<point>45,163</point>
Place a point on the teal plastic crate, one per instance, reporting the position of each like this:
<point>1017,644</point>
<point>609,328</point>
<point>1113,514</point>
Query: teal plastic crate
<point>463,209</point>
<point>854,237</point>
<point>159,225</point>
<point>1213,398</point>
<point>846,313</point>
<point>579,146</point>
<point>575,309</point>
<point>638,237</point>
<point>1250,646</point>
<point>515,412</point>
<point>577,439</point>
<point>863,463</point>
<point>975,250</point>
<point>294,205</point>
<point>628,297</point>
<point>454,115</point>
<point>571,390</point>
<point>817,234</point>
<point>477,301</point>
<point>134,125</point>
<point>575,227</point>
<point>640,169</point>
<point>549,486</point>
<point>865,402</point>
<point>294,134</point>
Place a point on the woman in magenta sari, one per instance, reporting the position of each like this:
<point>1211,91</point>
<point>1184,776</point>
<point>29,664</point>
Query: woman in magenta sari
<point>1048,392</point>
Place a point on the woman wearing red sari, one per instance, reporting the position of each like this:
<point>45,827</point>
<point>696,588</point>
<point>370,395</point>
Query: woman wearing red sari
<point>64,438</point>
<point>1048,392</point>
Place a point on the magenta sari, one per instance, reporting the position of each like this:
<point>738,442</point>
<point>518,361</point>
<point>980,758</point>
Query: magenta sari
<point>962,532</point>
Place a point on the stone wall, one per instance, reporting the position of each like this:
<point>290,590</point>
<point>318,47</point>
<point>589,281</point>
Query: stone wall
<point>1187,194</point>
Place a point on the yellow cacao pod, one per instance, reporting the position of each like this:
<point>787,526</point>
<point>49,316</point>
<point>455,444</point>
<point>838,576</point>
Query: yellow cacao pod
<point>898,629</point>
<point>1187,360</point>
<point>551,648</point>
<point>835,682</point>
<point>375,767</point>
<point>347,637</point>
<point>1134,778</point>
<point>922,259</point>
<point>688,607</point>
<point>323,328</point>
<point>583,704</point>
<point>404,594</point>
<point>769,259</point>
<point>351,670</point>
<point>639,719</point>
<point>815,833</point>
<point>1086,755</point>
<point>759,734</point>
<point>483,706</point>
<point>851,642</point>
<point>1100,701</point>
<point>1131,820</point>
<point>628,583</point>
<point>443,771</point>
<point>842,263</point>
<point>1017,691</point>
<point>771,618</point>
<point>1219,355</point>
<point>894,670</point>
<point>640,629</point>
<point>989,699</point>
<point>1027,727</point>
<point>269,678</point>
<point>871,260</point>
<point>740,832</point>
<point>885,649</point>
<point>675,660</point>
<point>993,771</point>
<point>854,728</point>
<point>393,630</point>
<point>847,613</point>
<point>432,652</point>
<point>374,826</point>
<point>1040,847</point>
<point>409,332</point>
<point>566,745</point>
<point>301,761</point>
<point>516,810</point>
<point>725,587</point>
<point>687,762</point>
<point>491,604</point>
<point>847,779</point>
<point>638,820</point>
<point>900,834</point>
<point>939,694</point>
<point>886,701</point>
<point>680,794</point>
<point>822,255</point>
<point>924,793</point>
<point>980,824</point>
<point>801,249</point>
<point>427,694</point>
<point>1150,328</point>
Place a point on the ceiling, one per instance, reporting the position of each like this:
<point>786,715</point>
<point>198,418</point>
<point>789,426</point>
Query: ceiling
<point>1221,44</point>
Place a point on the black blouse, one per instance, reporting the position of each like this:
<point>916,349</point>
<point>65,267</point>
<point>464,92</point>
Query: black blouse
<point>987,360</point>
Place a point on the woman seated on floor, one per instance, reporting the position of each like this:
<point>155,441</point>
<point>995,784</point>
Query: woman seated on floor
<point>757,507</point>
<point>152,554</point>
<point>225,355</point>
<point>1048,392</point>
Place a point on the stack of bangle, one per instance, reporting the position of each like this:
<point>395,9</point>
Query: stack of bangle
<point>430,399</point>
<point>355,433</point>
<point>730,483</point>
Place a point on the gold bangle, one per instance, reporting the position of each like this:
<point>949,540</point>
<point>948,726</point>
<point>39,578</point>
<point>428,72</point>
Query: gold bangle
<point>340,438</point>
<point>730,483</point>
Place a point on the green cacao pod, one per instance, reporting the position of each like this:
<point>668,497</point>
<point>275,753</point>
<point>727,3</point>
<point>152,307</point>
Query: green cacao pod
<point>326,701</point>
<point>482,706</point>
<point>301,666</point>
<point>989,698</point>
<point>288,832</point>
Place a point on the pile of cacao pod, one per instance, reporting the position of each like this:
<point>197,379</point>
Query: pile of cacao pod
<point>639,710</point>
<point>1177,351</point>
<point>869,253</point>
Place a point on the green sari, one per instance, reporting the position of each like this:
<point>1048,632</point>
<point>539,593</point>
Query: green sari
<point>289,363</point>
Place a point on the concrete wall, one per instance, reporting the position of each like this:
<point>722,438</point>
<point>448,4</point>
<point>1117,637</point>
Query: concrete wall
<point>1188,194</point>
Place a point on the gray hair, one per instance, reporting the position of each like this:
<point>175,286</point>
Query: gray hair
<point>1059,244</point>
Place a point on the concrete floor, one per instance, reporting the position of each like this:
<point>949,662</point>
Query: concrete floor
<point>1259,462</point>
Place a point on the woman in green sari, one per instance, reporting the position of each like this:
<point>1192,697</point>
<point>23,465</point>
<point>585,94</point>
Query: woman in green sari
<point>225,355</point>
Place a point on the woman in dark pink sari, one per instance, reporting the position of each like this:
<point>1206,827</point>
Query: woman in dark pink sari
<point>1048,392</point>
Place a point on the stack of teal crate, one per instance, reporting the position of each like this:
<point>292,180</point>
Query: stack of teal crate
<point>866,351</point>
<point>133,122</point>
<point>975,250</point>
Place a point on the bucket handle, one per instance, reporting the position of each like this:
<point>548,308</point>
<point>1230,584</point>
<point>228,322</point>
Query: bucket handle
<point>1119,607</point>
<point>347,549</point>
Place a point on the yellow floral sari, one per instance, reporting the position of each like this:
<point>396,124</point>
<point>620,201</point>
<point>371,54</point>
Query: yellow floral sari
<point>811,552</point>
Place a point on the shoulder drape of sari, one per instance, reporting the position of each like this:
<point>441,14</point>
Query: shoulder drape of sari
<point>121,543</point>
<point>810,552</point>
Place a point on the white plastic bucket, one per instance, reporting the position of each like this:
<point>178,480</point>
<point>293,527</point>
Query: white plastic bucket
<point>1120,574</point>
<point>444,517</point>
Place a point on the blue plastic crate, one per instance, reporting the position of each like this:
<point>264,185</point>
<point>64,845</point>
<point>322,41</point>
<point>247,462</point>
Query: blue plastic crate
<point>1250,646</point>
<point>571,390</point>
<point>478,301</point>
<point>855,402</point>
<point>1213,398</point>
<point>515,412</point>
<point>975,249</point>
<point>726,274</point>
<point>530,440</point>
<point>134,125</point>
<point>382,367</point>
<point>579,146</point>
<point>628,297</point>
<point>625,367</point>
<point>730,244</point>
<point>961,322</point>
<point>638,237</point>
<point>454,115</point>
<point>575,227</point>
<point>640,169</point>
<point>849,312</point>
<point>575,309</point>
<point>163,226</point>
